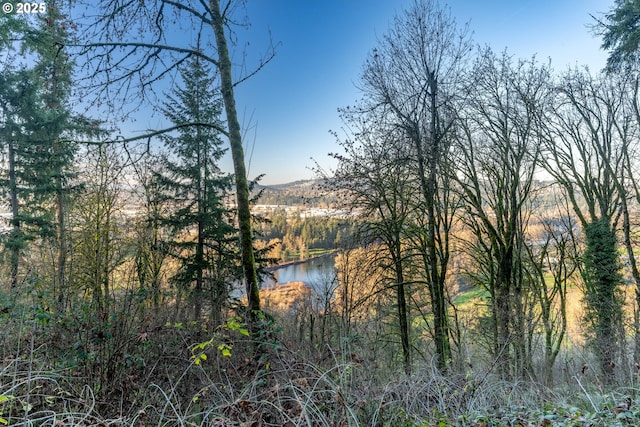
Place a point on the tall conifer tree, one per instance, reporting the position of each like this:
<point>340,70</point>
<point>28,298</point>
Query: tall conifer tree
<point>207,244</point>
<point>40,142</point>
<point>17,98</point>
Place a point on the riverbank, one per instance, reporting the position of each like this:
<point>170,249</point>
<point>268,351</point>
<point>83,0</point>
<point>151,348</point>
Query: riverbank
<point>284,297</point>
<point>300,261</point>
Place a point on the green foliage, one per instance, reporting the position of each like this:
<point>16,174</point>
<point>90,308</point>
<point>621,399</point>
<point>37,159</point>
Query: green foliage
<point>220,340</point>
<point>192,183</point>
<point>4,399</point>
<point>612,414</point>
<point>11,24</point>
<point>620,33</point>
<point>39,135</point>
<point>603,298</point>
<point>45,148</point>
<point>304,236</point>
<point>107,352</point>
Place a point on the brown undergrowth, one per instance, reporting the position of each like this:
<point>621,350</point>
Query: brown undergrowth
<point>130,368</point>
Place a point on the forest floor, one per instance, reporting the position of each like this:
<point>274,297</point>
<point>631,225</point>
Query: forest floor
<point>140,367</point>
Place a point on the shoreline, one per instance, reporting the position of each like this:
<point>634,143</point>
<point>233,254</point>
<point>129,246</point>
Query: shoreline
<point>296,262</point>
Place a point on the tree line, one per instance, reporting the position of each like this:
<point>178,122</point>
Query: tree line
<point>294,235</point>
<point>447,154</point>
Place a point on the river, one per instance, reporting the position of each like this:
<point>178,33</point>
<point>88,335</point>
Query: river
<point>315,273</point>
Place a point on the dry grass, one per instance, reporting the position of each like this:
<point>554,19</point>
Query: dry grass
<point>144,374</point>
<point>284,298</point>
<point>284,390</point>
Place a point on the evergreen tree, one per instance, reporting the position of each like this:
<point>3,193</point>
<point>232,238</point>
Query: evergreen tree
<point>53,160</point>
<point>196,187</point>
<point>39,130</point>
<point>17,96</point>
<point>620,31</point>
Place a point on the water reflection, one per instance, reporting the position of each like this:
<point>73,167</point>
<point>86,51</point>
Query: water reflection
<point>314,273</point>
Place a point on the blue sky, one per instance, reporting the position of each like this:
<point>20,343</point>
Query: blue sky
<point>289,108</point>
<point>292,103</point>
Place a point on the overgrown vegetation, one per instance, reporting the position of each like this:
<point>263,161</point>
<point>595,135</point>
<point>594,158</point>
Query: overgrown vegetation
<point>466,290</point>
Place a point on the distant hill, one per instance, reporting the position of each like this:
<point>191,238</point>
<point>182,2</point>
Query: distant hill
<point>304,192</point>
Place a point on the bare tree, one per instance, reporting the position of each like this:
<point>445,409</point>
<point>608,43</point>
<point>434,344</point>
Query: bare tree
<point>151,249</point>
<point>412,79</point>
<point>360,296</point>
<point>99,242</point>
<point>499,151</point>
<point>374,173</point>
<point>584,154</point>
<point>628,185</point>
<point>557,254</point>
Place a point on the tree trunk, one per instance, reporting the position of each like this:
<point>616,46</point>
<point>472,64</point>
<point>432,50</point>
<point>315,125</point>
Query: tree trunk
<point>441,327</point>
<point>603,304</point>
<point>237,154</point>
<point>504,306</point>
<point>402,310</point>
<point>635,273</point>
<point>61,236</point>
<point>429,188</point>
<point>198,293</point>
<point>201,198</point>
<point>105,236</point>
<point>54,96</point>
<point>15,221</point>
